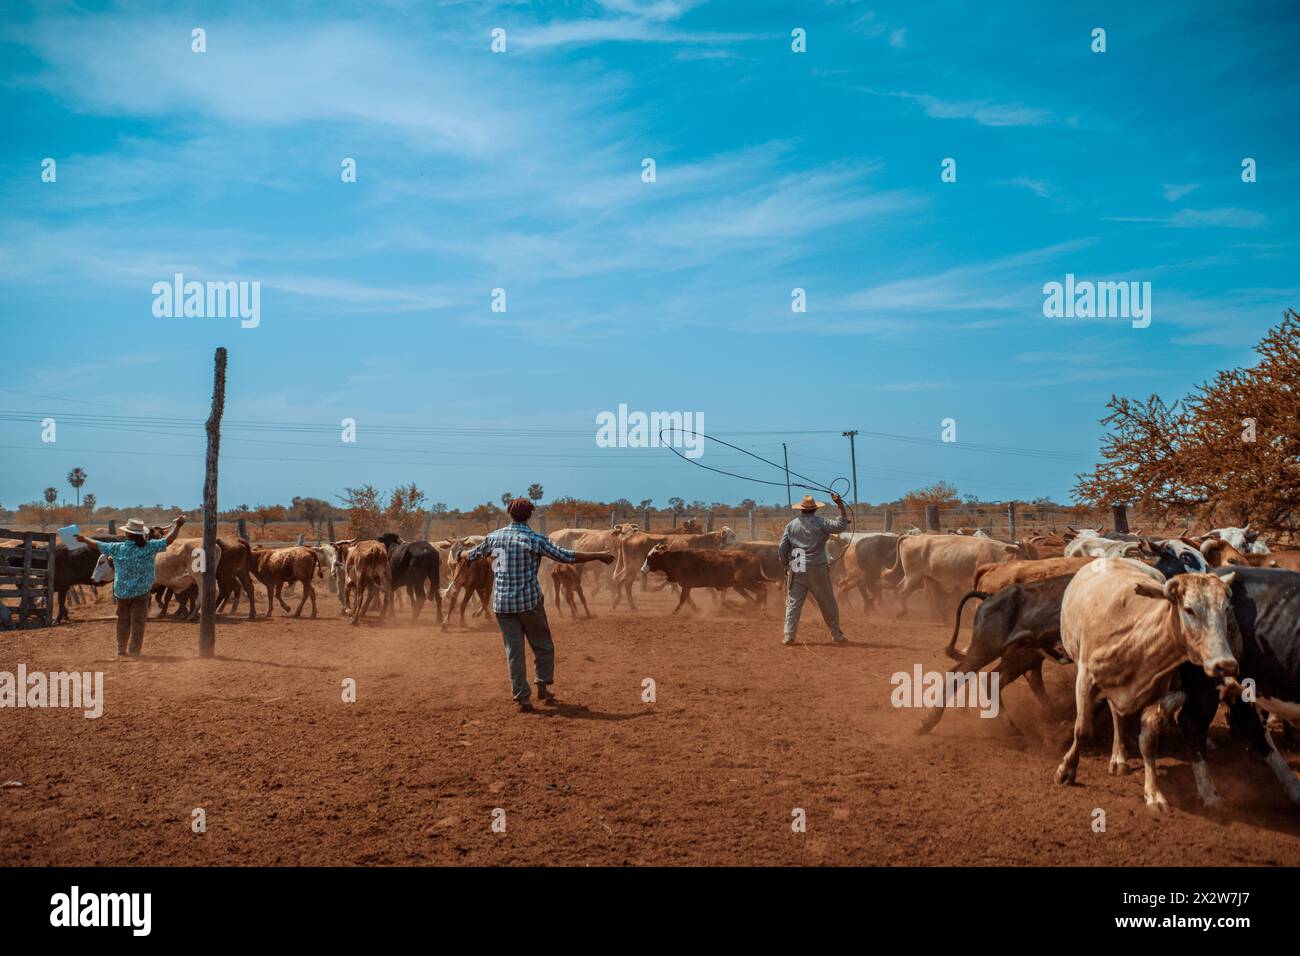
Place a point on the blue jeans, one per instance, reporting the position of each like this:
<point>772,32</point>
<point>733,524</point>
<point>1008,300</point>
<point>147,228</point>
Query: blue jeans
<point>530,625</point>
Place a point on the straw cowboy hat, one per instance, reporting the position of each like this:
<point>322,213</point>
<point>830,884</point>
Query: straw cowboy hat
<point>135,526</point>
<point>809,504</point>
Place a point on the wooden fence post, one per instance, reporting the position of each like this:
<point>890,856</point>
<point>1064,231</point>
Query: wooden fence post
<point>241,526</point>
<point>674,519</point>
<point>329,528</point>
<point>1011,520</point>
<point>301,539</point>
<point>709,525</point>
<point>613,518</point>
<point>428,524</point>
<point>208,601</point>
<point>889,520</point>
<point>112,527</point>
<point>752,536</point>
<point>645,520</point>
<point>931,517</point>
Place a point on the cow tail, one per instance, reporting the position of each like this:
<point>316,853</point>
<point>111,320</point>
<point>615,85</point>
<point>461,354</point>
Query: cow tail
<point>951,649</point>
<point>893,576</point>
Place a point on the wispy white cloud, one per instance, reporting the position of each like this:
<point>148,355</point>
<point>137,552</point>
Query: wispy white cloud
<point>1174,192</point>
<point>984,112</point>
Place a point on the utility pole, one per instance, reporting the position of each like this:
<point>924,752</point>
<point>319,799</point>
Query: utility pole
<point>853,457</point>
<point>785,451</point>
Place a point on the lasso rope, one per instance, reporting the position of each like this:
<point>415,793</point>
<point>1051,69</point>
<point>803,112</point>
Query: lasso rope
<point>813,486</point>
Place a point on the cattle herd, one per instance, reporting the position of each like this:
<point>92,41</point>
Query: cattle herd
<point>1159,629</point>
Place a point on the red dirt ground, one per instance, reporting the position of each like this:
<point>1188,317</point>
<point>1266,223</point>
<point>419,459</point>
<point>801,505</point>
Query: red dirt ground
<point>743,731</point>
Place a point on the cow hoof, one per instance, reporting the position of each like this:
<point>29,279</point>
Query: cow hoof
<point>1119,767</point>
<point>1158,805</point>
<point>1064,774</point>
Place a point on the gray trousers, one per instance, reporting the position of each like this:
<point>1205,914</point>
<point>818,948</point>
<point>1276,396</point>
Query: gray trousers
<point>817,580</point>
<point>532,626</point>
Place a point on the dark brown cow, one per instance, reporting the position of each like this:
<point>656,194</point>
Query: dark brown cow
<point>710,569</point>
<point>566,576</point>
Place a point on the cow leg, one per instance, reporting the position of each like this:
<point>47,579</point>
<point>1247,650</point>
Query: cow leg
<point>909,585</point>
<point>63,606</point>
<point>1085,693</point>
<point>1152,719</point>
<point>583,598</point>
<point>573,605</point>
<point>270,600</point>
<point>246,582</point>
<point>1246,723</point>
<point>686,596</point>
<point>1118,753</point>
<point>279,596</point>
<point>306,590</point>
<point>1201,703</point>
<point>437,599</point>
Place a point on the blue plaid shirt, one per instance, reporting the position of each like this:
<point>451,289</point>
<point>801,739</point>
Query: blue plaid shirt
<point>516,551</point>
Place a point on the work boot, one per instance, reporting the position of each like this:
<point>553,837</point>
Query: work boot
<point>544,694</point>
<point>789,640</point>
<point>525,706</point>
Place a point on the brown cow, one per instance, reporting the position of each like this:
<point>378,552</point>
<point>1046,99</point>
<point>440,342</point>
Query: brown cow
<point>368,574</point>
<point>689,569</point>
<point>632,550</point>
<point>566,576</point>
<point>469,578</point>
<point>234,572</point>
<point>278,566</point>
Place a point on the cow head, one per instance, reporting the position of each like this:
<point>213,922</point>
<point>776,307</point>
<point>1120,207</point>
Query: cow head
<point>728,537</point>
<point>341,549</point>
<point>654,559</point>
<point>1219,553</point>
<point>390,539</point>
<point>1201,611</point>
<point>104,571</point>
<point>1174,556</point>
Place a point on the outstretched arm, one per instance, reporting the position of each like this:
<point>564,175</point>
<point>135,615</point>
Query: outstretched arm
<point>176,528</point>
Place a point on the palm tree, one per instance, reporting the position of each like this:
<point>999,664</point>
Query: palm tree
<point>506,498</point>
<point>90,503</point>
<point>51,496</point>
<point>535,492</point>
<point>77,478</point>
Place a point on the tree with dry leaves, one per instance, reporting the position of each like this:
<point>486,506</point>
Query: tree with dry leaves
<point>1227,453</point>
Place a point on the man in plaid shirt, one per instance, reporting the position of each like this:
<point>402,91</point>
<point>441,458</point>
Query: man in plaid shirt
<point>516,550</point>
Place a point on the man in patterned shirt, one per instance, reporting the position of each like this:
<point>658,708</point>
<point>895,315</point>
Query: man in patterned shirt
<point>133,567</point>
<point>516,550</point>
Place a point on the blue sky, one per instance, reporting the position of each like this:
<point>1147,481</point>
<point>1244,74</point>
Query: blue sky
<point>522,171</point>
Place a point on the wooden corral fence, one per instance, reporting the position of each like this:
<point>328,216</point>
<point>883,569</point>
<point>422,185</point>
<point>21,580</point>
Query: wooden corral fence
<point>27,574</point>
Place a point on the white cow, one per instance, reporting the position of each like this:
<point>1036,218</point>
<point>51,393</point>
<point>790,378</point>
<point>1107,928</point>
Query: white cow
<point>1246,540</point>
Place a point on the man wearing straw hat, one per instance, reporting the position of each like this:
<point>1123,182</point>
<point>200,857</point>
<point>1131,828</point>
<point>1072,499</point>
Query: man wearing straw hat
<point>133,567</point>
<point>803,552</point>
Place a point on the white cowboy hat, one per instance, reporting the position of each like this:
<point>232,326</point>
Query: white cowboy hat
<point>135,526</point>
<point>809,504</point>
